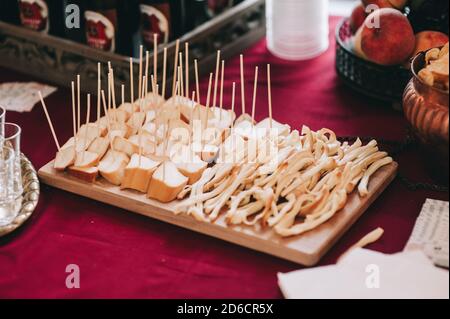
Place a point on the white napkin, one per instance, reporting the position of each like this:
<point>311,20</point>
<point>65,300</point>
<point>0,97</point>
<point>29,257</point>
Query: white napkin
<point>365,274</point>
<point>22,96</point>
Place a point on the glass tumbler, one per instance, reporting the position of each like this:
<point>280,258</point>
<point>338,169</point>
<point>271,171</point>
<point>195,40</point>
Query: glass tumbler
<point>10,201</point>
<point>11,139</point>
<point>297,29</point>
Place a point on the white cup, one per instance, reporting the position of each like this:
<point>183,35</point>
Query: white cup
<point>297,29</point>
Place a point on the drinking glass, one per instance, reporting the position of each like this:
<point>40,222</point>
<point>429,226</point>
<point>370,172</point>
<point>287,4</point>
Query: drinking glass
<point>11,139</point>
<point>297,29</point>
<point>10,201</point>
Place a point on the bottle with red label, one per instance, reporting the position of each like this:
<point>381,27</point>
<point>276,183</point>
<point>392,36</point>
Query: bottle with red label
<point>110,25</point>
<point>166,18</point>
<point>44,16</point>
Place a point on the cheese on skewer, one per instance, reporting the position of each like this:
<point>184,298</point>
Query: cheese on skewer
<point>112,167</point>
<point>138,173</point>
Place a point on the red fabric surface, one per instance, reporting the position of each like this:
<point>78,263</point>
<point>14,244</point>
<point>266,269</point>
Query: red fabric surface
<point>124,255</point>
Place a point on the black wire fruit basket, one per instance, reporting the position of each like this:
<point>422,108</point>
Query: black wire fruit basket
<point>385,83</point>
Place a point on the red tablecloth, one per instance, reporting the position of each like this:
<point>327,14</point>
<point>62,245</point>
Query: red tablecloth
<point>121,254</point>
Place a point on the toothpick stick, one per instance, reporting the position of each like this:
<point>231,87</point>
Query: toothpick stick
<point>140,131</point>
<point>147,57</point>
<point>99,85</point>
<point>122,87</point>
<point>269,94</point>
<point>208,97</point>
<point>197,85</point>
<point>74,116</point>
<point>153,84</point>
<point>155,56</point>
<point>180,81</point>
<point>255,88</point>
<point>78,102</point>
<point>221,89</point>
<point>141,53</point>
<point>88,114</point>
<point>242,83</point>
<point>49,121</point>
<point>233,100</point>
<point>175,67</point>
<point>191,122</point>
<point>131,82</point>
<point>181,93</point>
<point>186,66</point>
<point>107,121</point>
<point>216,79</point>
<point>163,92</point>
<point>109,90</point>
<point>113,93</point>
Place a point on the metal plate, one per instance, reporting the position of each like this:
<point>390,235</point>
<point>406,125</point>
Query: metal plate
<point>31,190</point>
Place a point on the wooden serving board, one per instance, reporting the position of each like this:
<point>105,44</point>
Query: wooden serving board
<point>306,249</point>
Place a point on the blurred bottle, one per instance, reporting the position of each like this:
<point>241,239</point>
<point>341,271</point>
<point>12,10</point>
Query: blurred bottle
<point>9,11</point>
<point>109,25</point>
<point>42,15</point>
<point>166,18</point>
<point>74,28</point>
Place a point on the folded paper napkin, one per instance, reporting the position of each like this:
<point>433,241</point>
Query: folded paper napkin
<point>22,96</point>
<point>366,274</point>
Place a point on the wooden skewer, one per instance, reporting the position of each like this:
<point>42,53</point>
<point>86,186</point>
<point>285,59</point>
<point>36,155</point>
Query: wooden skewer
<point>140,131</point>
<point>197,84</point>
<point>147,57</point>
<point>131,83</point>
<point>78,102</point>
<point>163,92</point>
<point>233,100</point>
<point>141,53</point>
<point>152,79</point>
<point>155,57</point>
<point>88,115</point>
<point>242,84</point>
<point>107,121</point>
<point>186,66</point>
<point>269,94</point>
<point>49,121</point>
<point>180,85</point>
<point>181,93</point>
<point>191,122</point>
<point>113,94</point>
<point>255,88</point>
<point>74,116</point>
<point>109,90</point>
<point>216,79</point>
<point>122,94</point>
<point>99,85</point>
<point>110,105</point>
<point>208,97</point>
<point>221,89</point>
<point>175,67</point>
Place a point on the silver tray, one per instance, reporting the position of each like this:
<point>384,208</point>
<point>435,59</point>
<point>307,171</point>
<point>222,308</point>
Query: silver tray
<point>31,190</point>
